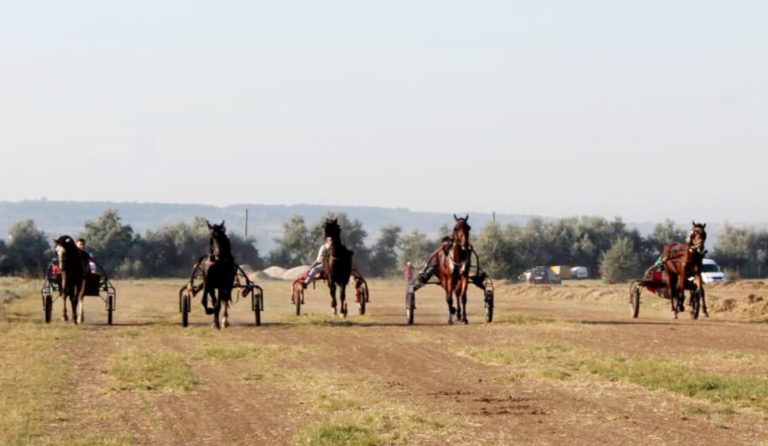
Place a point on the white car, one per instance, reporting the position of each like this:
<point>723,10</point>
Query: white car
<point>711,272</point>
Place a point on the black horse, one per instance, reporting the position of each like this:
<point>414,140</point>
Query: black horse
<point>219,270</point>
<point>338,266</point>
<point>73,264</point>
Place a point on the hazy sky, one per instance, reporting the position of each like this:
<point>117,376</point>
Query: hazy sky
<point>644,110</point>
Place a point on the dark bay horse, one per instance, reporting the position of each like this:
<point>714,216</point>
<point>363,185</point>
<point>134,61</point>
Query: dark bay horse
<point>453,264</point>
<point>684,260</point>
<point>338,265</point>
<point>73,264</point>
<point>219,270</point>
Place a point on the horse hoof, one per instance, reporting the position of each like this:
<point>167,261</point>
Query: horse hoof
<point>226,324</point>
<point>209,311</point>
<point>465,321</point>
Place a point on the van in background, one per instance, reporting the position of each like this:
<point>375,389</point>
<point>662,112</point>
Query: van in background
<point>711,272</point>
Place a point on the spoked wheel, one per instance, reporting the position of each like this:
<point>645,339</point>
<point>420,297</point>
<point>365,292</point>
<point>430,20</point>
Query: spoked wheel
<point>298,295</point>
<point>185,309</point>
<point>257,304</point>
<point>634,299</point>
<point>488,305</point>
<point>363,299</point>
<point>695,304</point>
<point>110,308</point>
<point>47,308</point>
<point>410,307</point>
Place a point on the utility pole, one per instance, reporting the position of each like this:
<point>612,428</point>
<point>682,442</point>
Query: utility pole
<point>246,223</point>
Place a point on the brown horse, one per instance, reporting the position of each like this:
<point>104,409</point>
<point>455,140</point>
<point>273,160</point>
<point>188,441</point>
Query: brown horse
<point>338,265</point>
<point>681,261</point>
<point>453,264</point>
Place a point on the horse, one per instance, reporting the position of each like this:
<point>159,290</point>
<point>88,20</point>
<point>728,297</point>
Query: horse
<point>453,264</point>
<point>684,260</point>
<point>337,266</point>
<point>219,271</point>
<point>73,264</point>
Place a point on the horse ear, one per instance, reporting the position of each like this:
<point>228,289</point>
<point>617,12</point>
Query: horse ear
<point>693,223</point>
<point>222,223</point>
<point>209,224</point>
<point>703,225</point>
<point>455,217</point>
<point>466,218</point>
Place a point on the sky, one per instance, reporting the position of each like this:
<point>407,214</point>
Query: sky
<point>641,110</point>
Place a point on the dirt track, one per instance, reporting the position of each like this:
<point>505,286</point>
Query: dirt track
<point>528,378</point>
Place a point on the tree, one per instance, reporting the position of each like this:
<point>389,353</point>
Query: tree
<point>108,239</point>
<point>495,252</point>
<point>29,249</point>
<point>415,247</point>
<point>620,263</point>
<point>295,247</point>
<point>384,252</point>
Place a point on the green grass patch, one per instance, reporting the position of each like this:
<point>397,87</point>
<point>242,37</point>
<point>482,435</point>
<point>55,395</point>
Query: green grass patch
<point>36,379</point>
<point>522,319</point>
<point>152,371</point>
<point>336,434</point>
<point>658,373</point>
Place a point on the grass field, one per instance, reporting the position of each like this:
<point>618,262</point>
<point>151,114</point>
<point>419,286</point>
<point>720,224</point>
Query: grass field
<point>558,364</point>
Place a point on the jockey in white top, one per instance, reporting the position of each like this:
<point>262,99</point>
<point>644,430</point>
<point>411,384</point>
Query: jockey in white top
<point>322,254</point>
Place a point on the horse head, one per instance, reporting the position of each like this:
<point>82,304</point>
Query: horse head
<point>697,237</point>
<point>219,241</point>
<point>332,229</point>
<point>64,245</point>
<point>461,231</point>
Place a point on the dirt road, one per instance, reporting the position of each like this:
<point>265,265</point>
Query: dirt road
<point>558,365</point>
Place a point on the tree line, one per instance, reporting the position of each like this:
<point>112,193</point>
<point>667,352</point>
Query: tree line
<point>606,247</point>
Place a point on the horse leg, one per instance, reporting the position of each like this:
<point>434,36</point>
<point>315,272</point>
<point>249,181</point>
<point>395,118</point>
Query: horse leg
<point>217,298</point>
<point>80,305</point>
<point>343,297</point>
<point>449,301</point>
<point>700,287</point>
<point>672,290</point>
<point>225,304</point>
<point>463,302</point>
<point>332,290</point>
<point>64,316</point>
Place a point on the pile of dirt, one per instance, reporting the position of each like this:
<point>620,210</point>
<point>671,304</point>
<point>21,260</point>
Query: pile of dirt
<point>274,272</point>
<point>295,272</point>
<point>745,298</point>
<point>258,276</point>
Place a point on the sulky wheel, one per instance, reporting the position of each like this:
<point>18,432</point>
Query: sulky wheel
<point>363,299</point>
<point>110,308</point>
<point>257,305</point>
<point>298,296</point>
<point>488,305</point>
<point>410,307</point>
<point>185,309</point>
<point>47,308</point>
<point>634,299</point>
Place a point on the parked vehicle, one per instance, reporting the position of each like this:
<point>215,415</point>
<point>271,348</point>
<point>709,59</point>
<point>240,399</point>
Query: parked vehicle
<point>579,272</point>
<point>711,272</point>
<point>542,275</point>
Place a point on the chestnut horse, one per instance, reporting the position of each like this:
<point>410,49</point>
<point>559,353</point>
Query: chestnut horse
<point>683,260</point>
<point>338,265</point>
<point>219,270</point>
<point>453,266</point>
<point>73,263</point>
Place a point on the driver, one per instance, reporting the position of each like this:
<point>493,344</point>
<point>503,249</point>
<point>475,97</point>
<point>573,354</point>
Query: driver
<point>91,261</point>
<point>322,254</point>
<point>431,267</point>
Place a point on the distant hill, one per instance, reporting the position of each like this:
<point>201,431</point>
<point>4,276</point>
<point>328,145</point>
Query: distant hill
<point>265,222</point>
